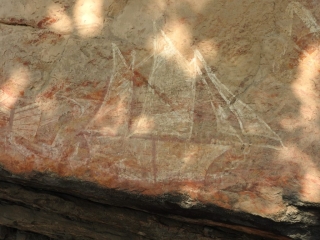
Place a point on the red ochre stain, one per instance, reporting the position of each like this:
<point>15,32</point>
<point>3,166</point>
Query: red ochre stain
<point>52,91</point>
<point>46,21</point>
<point>46,36</point>
<point>86,83</point>
<point>183,20</point>
<point>15,20</point>
<point>293,63</point>
<point>49,94</point>
<point>21,60</point>
<point>274,95</point>
<point>93,61</point>
<point>138,79</point>
<point>97,95</point>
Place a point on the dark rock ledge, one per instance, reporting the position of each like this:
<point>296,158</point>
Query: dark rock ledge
<point>39,206</point>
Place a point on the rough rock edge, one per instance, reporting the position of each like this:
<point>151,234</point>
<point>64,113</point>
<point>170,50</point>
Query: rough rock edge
<point>166,207</point>
<point>61,216</point>
<point>18,22</point>
<point>7,233</point>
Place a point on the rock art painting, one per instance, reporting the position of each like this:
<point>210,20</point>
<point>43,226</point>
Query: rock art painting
<point>214,107</point>
<point>167,119</point>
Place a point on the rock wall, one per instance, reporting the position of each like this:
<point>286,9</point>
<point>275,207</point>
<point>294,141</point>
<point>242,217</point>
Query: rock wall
<point>207,111</point>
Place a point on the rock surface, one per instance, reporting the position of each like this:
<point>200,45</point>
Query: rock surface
<point>207,111</point>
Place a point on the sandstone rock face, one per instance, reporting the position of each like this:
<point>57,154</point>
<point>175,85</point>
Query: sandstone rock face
<point>216,102</point>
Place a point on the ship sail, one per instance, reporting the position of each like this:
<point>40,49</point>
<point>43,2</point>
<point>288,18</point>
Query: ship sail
<point>250,124</point>
<point>176,90</point>
<point>169,101</point>
<point>112,118</point>
<point>216,113</point>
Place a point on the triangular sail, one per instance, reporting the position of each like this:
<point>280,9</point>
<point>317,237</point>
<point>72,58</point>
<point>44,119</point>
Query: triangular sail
<point>304,14</point>
<point>169,110</point>
<point>112,117</point>
<point>169,101</point>
<point>223,129</point>
<point>249,122</point>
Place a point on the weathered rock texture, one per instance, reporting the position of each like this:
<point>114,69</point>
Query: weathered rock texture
<point>202,112</point>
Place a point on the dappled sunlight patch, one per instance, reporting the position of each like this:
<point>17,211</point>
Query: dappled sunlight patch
<point>201,4</point>
<point>265,200</point>
<point>180,34</point>
<point>64,23</point>
<point>305,86</point>
<point>14,87</point>
<point>309,175</point>
<point>6,102</point>
<point>118,119</point>
<point>142,125</point>
<point>209,46</point>
<point>310,183</point>
<point>88,17</point>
